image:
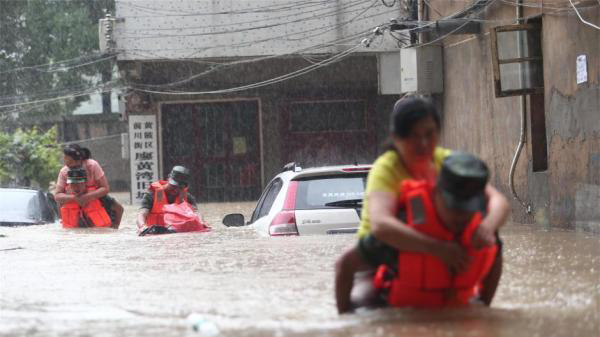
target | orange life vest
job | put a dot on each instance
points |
(156, 215)
(423, 280)
(92, 214)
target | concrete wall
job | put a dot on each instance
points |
(165, 29)
(567, 194)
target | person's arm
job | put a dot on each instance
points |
(98, 193)
(146, 206)
(141, 218)
(61, 196)
(345, 267)
(59, 192)
(498, 210)
(386, 227)
(192, 201)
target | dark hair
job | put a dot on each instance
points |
(77, 152)
(409, 110)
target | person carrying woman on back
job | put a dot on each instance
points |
(76, 156)
(412, 154)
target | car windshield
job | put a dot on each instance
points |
(331, 191)
(19, 205)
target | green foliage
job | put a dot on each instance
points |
(35, 32)
(29, 156)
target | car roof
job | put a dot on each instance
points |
(26, 190)
(324, 170)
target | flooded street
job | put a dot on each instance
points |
(114, 283)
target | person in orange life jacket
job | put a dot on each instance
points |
(412, 152)
(452, 209)
(92, 214)
(74, 157)
(173, 190)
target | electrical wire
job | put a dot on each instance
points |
(335, 42)
(262, 20)
(86, 91)
(387, 5)
(582, 19)
(89, 139)
(435, 10)
(263, 9)
(286, 36)
(58, 63)
(239, 30)
(104, 87)
(548, 9)
(300, 72)
(467, 20)
(337, 26)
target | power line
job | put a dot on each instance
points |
(257, 41)
(262, 83)
(548, 9)
(467, 20)
(246, 29)
(262, 20)
(261, 9)
(582, 19)
(58, 63)
(258, 59)
(239, 30)
(104, 87)
(89, 139)
(274, 80)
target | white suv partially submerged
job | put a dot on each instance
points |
(321, 200)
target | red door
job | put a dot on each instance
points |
(219, 142)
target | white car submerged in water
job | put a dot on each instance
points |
(321, 200)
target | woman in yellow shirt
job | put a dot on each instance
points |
(412, 153)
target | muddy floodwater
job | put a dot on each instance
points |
(87, 282)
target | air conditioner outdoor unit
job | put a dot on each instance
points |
(106, 28)
(421, 70)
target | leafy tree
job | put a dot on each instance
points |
(28, 157)
(34, 32)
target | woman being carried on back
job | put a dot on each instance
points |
(97, 184)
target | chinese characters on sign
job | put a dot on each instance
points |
(143, 154)
(581, 69)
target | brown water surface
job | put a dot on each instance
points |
(93, 282)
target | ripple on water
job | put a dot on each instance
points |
(113, 283)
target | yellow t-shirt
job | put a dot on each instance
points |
(386, 175)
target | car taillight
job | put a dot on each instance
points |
(284, 223)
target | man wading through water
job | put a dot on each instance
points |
(161, 195)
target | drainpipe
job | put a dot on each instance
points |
(523, 134)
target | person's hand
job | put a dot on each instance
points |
(83, 200)
(484, 236)
(140, 225)
(453, 256)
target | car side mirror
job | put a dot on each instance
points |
(234, 220)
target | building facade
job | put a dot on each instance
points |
(557, 176)
(239, 89)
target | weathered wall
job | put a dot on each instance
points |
(572, 121)
(184, 29)
(567, 194)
